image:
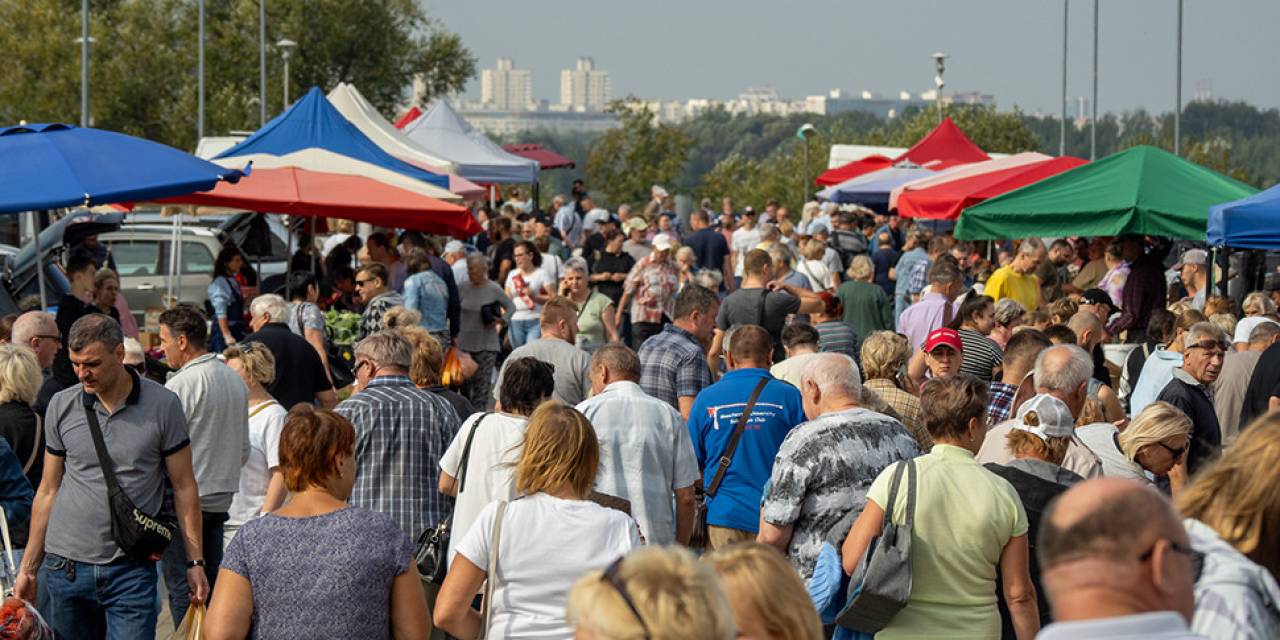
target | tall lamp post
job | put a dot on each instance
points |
(1093, 111)
(1062, 125)
(200, 74)
(805, 131)
(1177, 108)
(939, 64)
(262, 62)
(286, 48)
(84, 63)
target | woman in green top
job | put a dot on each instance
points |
(866, 308)
(969, 522)
(597, 325)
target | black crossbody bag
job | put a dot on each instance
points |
(141, 536)
(433, 544)
(700, 538)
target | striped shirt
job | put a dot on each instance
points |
(835, 336)
(981, 355)
(401, 434)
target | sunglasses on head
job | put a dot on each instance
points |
(611, 577)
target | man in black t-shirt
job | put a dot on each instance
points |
(709, 245)
(300, 376)
(763, 302)
(1264, 386)
(610, 268)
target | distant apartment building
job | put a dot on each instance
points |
(507, 88)
(585, 88)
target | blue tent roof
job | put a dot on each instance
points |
(1250, 223)
(446, 134)
(51, 166)
(872, 189)
(313, 123)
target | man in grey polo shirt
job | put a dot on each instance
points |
(95, 590)
(216, 403)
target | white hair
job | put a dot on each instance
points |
(1065, 376)
(269, 304)
(1201, 330)
(833, 373)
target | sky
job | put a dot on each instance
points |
(1011, 49)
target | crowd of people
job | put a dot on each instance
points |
(644, 425)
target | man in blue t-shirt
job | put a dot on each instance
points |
(709, 245)
(733, 514)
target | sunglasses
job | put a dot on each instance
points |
(1212, 347)
(1196, 557)
(46, 336)
(610, 576)
(1176, 453)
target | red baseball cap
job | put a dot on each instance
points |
(939, 337)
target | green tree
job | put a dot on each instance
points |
(992, 131)
(625, 162)
(143, 68)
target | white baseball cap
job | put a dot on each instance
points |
(1045, 416)
(662, 242)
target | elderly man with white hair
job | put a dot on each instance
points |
(826, 465)
(1203, 350)
(1061, 371)
(300, 376)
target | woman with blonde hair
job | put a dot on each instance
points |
(427, 363)
(262, 487)
(20, 381)
(660, 593)
(1155, 443)
(811, 265)
(1232, 511)
(884, 354)
(554, 534)
(766, 595)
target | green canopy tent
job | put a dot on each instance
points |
(1141, 190)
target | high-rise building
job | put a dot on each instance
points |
(585, 88)
(507, 88)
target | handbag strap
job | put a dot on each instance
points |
(35, 446)
(99, 444)
(910, 468)
(466, 452)
(727, 458)
(491, 578)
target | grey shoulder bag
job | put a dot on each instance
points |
(886, 571)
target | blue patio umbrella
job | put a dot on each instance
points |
(55, 166)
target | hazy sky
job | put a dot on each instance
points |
(1011, 49)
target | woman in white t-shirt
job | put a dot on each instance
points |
(811, 265)
(528, 286)
(262, 487)
(552, 536)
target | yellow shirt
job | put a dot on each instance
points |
(1007, 283)
(965, 515)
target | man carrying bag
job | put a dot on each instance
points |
(95, 530)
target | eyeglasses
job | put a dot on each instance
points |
(519, 255)
(1176, 453)
(610, 576)
(1196, 557)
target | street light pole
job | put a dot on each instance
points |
(200, 75)
(262, 62)
(1093, 111)
(1062, 125)
(286, 47)
(807, 129)
(84, 64)
(940, 65)
(1177, 110)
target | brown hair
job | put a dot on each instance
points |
(560, 447)
(756, 261)
(949, 403)
(428, 355)
(1026, 444)
(556, 309)
(311, 439)
(376, 270)
(750, 342)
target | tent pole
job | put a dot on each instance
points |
(1209, 272)
(288, 258)
(177, 289)
(35, 233)
(313, 245)
(1223, 286)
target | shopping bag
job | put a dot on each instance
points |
(458, 366)
(190, 629)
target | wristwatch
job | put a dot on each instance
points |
(191, 564)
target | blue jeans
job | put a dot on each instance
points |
(173, 565)
(523, 331)
(115, 600)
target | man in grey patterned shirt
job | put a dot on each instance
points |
(826, 465)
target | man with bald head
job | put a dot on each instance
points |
(1061, 371)
(826, 465)
(1089, 332)
(1116, 563)
(39, 331)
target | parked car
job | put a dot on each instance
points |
(19, 282)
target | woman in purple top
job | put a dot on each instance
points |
(318, 567)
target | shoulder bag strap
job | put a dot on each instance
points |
(36, 446)
(100, 445)
(911, 492)
(764, 297)
(466, 452)
(492, 578)
(893, 491)
(727, 458)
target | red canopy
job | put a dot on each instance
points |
(409, 116)
(874, 162)
(946, 144)
(947, 200)
(299, 192)
(546, 158)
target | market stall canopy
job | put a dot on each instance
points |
(446, 134)
(874, 162)
(945, 146)
(872, 189)
(546, 158)
(299, 192)
(353, 106)
(1251, 223)
(52, 166)
(409, 116)
(945, 201)
(312, 122)
(1142, 190)
(330, 162)
(965, 171)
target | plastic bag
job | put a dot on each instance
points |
(458, 366)
(190, 629)
(19, 620)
